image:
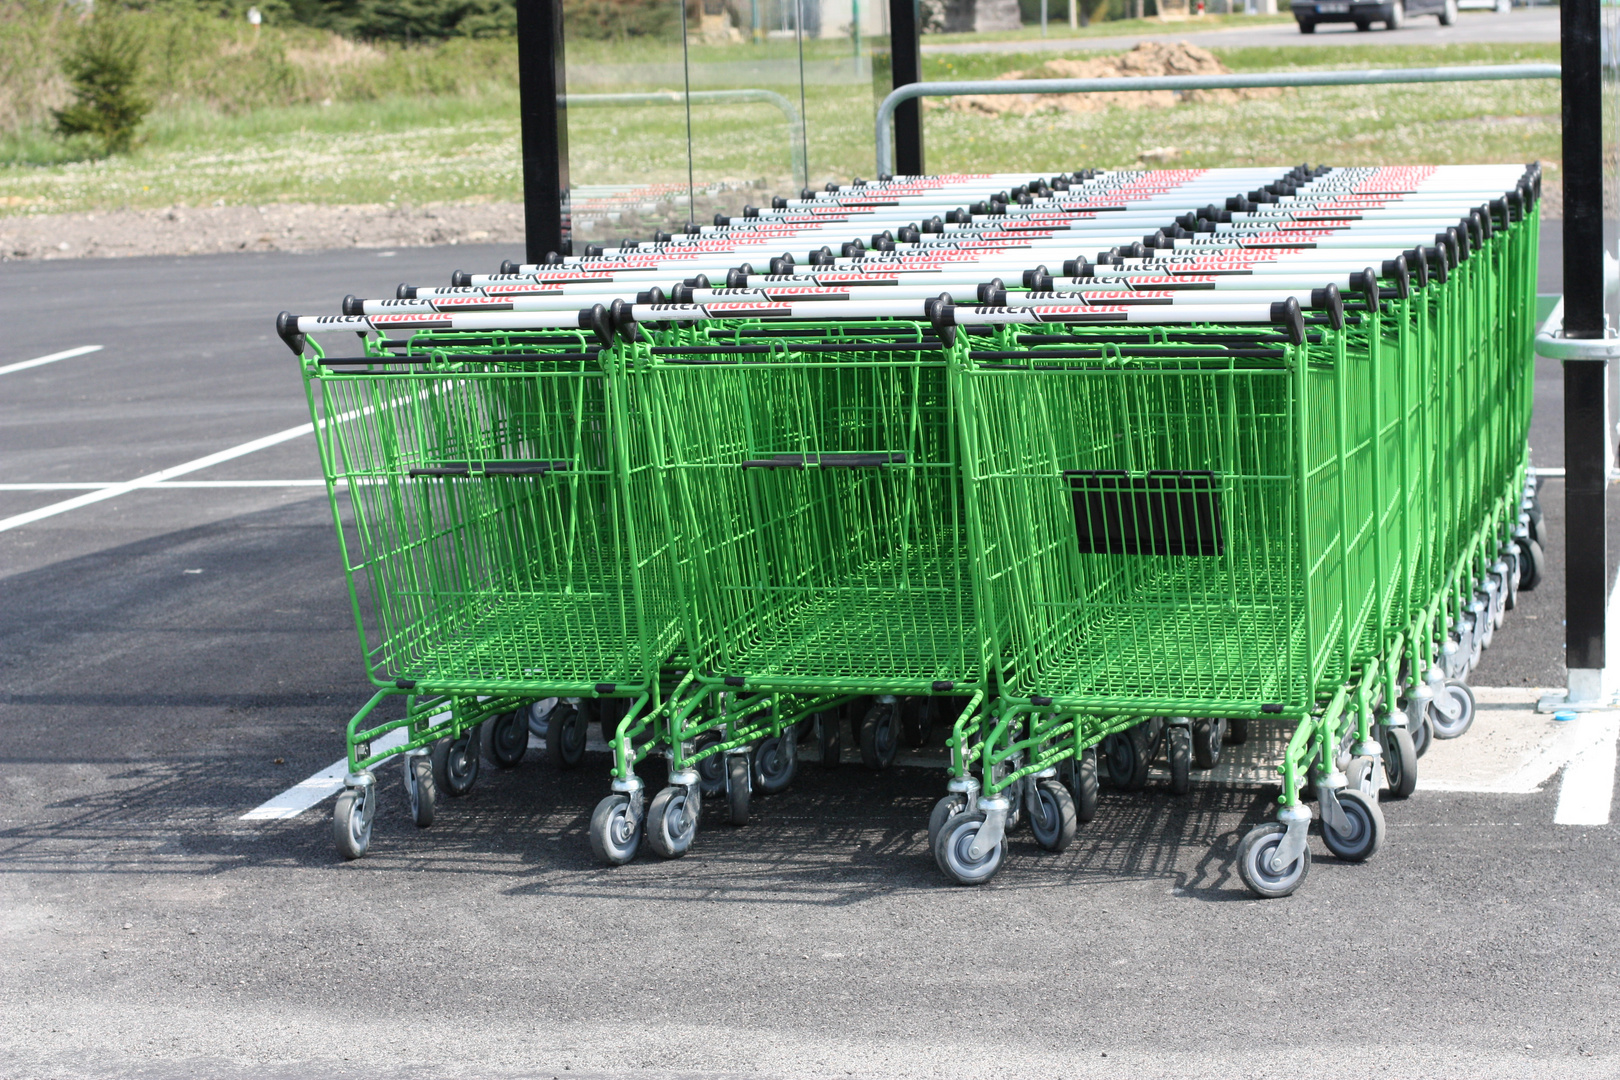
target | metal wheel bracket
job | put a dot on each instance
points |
(967, 787)
(1333, 816)
(994, 829)
(637, 792)
(1446, 706)
(1297, 820)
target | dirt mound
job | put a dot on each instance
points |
(1148, 59)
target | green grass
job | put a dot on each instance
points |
(453, 148)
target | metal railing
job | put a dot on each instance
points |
(708, 97)
(1482, 73)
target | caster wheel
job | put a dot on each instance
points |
(1178, 749)
(615, 833)
(1422, 736)
(952, 851)
(1510, 597)
(420, 790)
(712, 769)
(351, 820)
(1085, 785)
(944, 810)
(830, 733)
(455, 764)
(1053, 819)
(775, 762)
(610, 713)
(880, 735)
(737, 789)
(1452, 711)
(1254, 862)
(566, 732)
(803, 729)
(672, 821)
(916, 721)
(1537, 525)
(1366, 822)
(506, 738)
(1532, 563)
(1237, 732)
(1400, 762)
(1208, 738)
(1127, 761)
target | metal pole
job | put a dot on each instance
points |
(1585, 381)
(905, 37)
(542, 85)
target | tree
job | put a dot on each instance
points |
(104, 68)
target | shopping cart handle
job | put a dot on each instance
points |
(493, 468)
(826, 461)
(287, 329)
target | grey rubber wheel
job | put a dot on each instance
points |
(737, 792)
(1461, 699)
(506, 738)
(420, 790)
(1448, 13)
(880, 735)
(712, 769)
(671, 824)
(1400, 761)
(1422, 735)
(566, 733)
(830, 736)
(1127, 760)
(1254, 863)
(1237, 732)
(351, 821)
(1397, 16)
(1178, 750)
(917, 721)
(951, 851)
(615, 834)
(1366, 827)
(1053, 821)
(1532, 563)
(1537, 525)
(776, 760)
(1208, 738)
(455, 763)
(947, 808)
(1085, 785)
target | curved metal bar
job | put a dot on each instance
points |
(1481, 73)
(705, 97)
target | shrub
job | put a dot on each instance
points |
(104, 72)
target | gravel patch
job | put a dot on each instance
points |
(179, 230)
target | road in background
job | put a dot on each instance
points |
(1518, 27)
(172, 657)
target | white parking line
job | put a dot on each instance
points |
(97, 486)
(1588, 788)
(153, 478)
(65, 354)
(311, 790)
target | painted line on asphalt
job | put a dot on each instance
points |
(65, 354)
(1587, 792)
(313, 789)
(149, 479)
(98, 486)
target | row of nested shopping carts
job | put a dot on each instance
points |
(1095, 471)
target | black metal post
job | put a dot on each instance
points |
(1585, 539)
(905, 37)
(542, 84)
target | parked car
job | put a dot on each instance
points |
(1392, 13)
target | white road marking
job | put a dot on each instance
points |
(1588, 788)
(98, 486)
(149, 479)
(66, 354)
(311, 790)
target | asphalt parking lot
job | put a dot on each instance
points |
(172, 656)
